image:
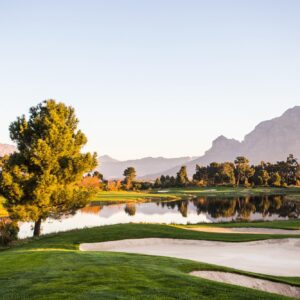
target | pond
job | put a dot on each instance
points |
(197, 210)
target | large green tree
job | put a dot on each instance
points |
(275, 179)
(130, 176)
(226, 173)
(215, 174)
(243, 170)
(292, 167)
(201, 175)
(42, 178)
(182, 178)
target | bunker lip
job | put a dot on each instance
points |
(243, 230)
(279, 257)
(250, 282)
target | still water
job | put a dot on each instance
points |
(197, 210)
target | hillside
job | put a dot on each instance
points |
(271, 141)
(112, 168)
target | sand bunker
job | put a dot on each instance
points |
(275, 257)
(250, 230)
(250, 282)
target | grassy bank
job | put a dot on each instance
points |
(185, 193)
(293, 192)
(277, 224)
(53, 268)
(134, 197)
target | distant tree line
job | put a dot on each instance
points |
(280, 174)
(237, 173)
(129, 183)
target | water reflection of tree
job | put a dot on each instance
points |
(246, 208)
(216, 208)
(180, 205)
(239, 207)
(130, 209)
(183, 208)
(93, 209)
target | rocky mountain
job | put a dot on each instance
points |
(6, 149)
(105, 159)
(271, 141)
(274, 139)
(112, 168)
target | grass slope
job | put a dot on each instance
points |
(277, 224)
(294, 192)
(53, 268)
(190, 192)
(124, 196)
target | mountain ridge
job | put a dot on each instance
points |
(270, 140)
(113, 169)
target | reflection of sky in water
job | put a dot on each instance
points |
(145, 213)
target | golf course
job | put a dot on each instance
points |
(53, 267)
(231, 231)
(154, 261)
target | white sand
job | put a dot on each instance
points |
(250, 282)
(250, 230)
(275, 257)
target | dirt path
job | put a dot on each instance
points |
(275, 257)
(250, 230)
(250, 282)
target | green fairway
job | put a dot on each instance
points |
(51, 267)
(184, 193)
(124, 196)
(293, 192)
(293, 224)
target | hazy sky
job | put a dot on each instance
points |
(151, 78)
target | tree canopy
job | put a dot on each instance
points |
(243, 170)
(182, 178)
(43, 177)
(130, 175)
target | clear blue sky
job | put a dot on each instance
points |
(151, 78)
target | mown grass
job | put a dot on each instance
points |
(71, 239)
(190, 192)
(51, 267)
(293, 192)
(293, 224)
(124, 196)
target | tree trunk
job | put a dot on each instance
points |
(37, 227)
